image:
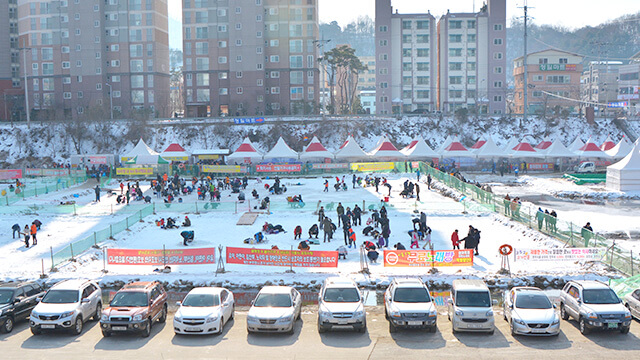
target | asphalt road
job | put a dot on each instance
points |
(306, 343)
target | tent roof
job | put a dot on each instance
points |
(245, 150)
(590, 149)
(607, 144)
(246, 146)
(446, 143)
(147, 160)
(622, 149)
(315, 149)
(174, 148)
(281, 151)
(630, 162)
(350, 149)
(557, 149)
(576, 144)
(418, 149)
(141, 149)
(385, 148)
(455, 148)
(479, 144)
(523, 147)
(489, 150)
(544, 144)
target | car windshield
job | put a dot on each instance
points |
(61, 297)
(473, 299)
(600, 296)
(411, 295)
(5, 296)
(130, 299)
(273, 300)
(341, 295)
(533, 301)
(201, 300)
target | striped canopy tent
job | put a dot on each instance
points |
(622, 149)
(489, 150)
(246, 153)
(455, 149)
(591, 150)
(576, 144)
(315, 150)
(385, 150)
(175, 152)
(524, 150)
(419, 150)
(350, 151)
(608, 144)
(281, 152)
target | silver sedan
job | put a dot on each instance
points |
(529, 311)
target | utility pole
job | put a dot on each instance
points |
(320, 43)
(526, 72)
(26, 84)
(110, 99)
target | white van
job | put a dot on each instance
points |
(470, 306)
(586, 167)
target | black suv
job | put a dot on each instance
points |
(16, 302)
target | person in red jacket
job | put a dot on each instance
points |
(34, 230)
(455, 240)
(297, 232)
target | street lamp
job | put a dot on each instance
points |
(26, 84)
(320, 44)
(110, 99)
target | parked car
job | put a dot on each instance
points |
(17, 299)
(275, 309)
(67, 305)
(205, 310)
(632, 302)
(586, 167)
(340, 305)
(529, 311)
(408, 304)
(135, 308)
(469, 308)
(595, 306)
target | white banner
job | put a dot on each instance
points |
(559, 254)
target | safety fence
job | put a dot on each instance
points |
(40, 187)
(569, 233)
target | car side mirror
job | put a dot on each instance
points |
(86, 301)
(450, 301)
(511, 306)
(17, 300)
(252, 301)
(579, 300)
(555, 306)
(39, 298)
(178, 303)
(495, 302)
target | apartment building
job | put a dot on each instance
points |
(553, 81)
(367, 78)
(250, 57)
(11, 93)
(599, 84)
(629, 85)
(84, 55)
(406, 53)
(472, 60)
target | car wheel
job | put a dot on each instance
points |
(363, 329)
(625, 330)
(392, 328)
(35, 331)
(584, 330)
(106, 333)
(293, 327)
(491, 332)
(147, 329)
(163, 317)
(8, 325)
(504, 315)
(78, 326)
(511, 327)
(563, 312)
(221, 327)
(98, 313)
(233, 310)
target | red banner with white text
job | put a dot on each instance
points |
(245, 256)
(161, 257)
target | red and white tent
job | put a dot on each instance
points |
(350, 151)
(245, 153)
(524, 150)
(622, 149)
(315, 150)
(479, 144)
(591, 150)
(608, 144)
(544, 144)
(175, 152)
(385, 150)
(280, 152)
(419, 150)
(489, 150)
(557, 150)
(576, 144)
(446, 143)
(455, 149)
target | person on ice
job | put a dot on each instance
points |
(297, 232)
(313, 231)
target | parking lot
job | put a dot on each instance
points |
(307, 343)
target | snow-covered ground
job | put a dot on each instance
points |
(219, 228)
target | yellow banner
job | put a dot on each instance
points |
(223, 168)
(134, 171)
(208, 157)
(379, 166)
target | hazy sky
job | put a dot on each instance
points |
(568, 13)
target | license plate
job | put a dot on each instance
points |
(474, 326)
(414, 323)
(48, 326)
(191, 328)
(612, 325)
(119, 328)
(343, 322)
(538, 331)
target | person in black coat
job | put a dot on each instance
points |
(399, 246)
(357, 215)
(16, 229)
(313, 231)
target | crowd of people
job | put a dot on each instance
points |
(28, 233)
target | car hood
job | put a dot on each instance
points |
(474, 312)
(535, 315)
(124, 311)
(414, 307)
(339, 307)
(44, 308)
(197, 312)
(270, 312)
(605, 308)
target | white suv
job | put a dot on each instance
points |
(407, 304)
(67, 306)
(340, 304)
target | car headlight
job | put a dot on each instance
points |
(518, 321)
(459, 313)
(252, 318)
(627, 315)
(433, 312)
(285, 319)
(67, 314)
(34, 314)
(212, 318)
(104, 318)
(556, 321)
(324, 313)
(592, 315)
(177, 318)
(489, 313)
(137, 317)
(358, 313)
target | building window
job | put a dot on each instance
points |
(453, 66)
(422, 24)
(383, 28)
(384, 42)
(222, 59)
(471, 24)
(274, 58)
(497, 70)
(455, 52)
(406, 24)
(497, 27)
(497, 56)
(454, 38)
(497, 98)
(563, 60)
(455, 24)
(297, 93)
(497, 41)
(422, 66)
(455, 80)
(295, 62)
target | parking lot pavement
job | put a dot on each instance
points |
(307, 343)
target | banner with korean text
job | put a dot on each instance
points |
(330, 166)
(377, 166)
(559, 254)
(161, 257)
(134, 171)
(296, 258)
(10, 174)
(224, 169)
(428, 258)
(278, 168)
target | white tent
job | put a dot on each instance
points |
(419, 150)
(625, 174)
(524, 150)
(489, 150)
(175, 152)
(280, 152)
(456, 149)
(590, 150)
(557, 150)
(446, 143)
(513, 142)
(315, 150)
(245, 153)
(544, 144)
(622, 149)
(350, 151)
(143, 155)
(576, 145)
(608, 144)
(385, 150)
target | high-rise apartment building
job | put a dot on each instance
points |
(472, 60)
(11, 93)
(599, 84)
(89, 54)
(250, 57)
(405, 60)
